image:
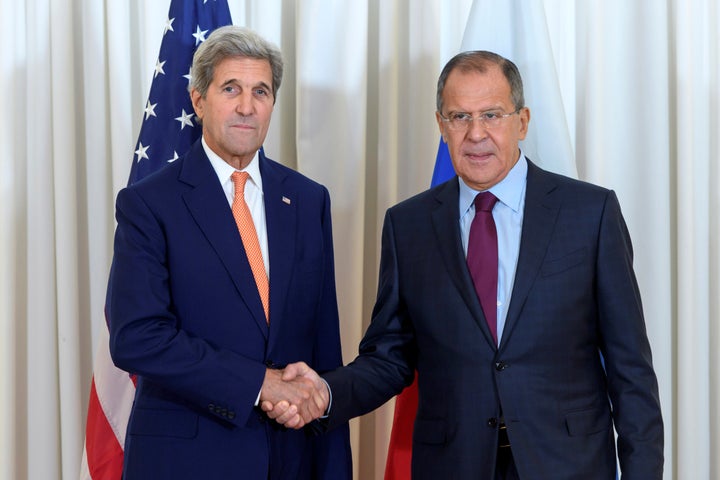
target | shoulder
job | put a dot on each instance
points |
(429, 199)
(541, 182)
(172, 180)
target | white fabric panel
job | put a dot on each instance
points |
(127, 90)
(12, 162)
(518, 31)
(331, 58)
(65, 170)
(96, 190)
(330, 112)
(38, 342)
(693, 115)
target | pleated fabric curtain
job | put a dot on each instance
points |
(639, 86)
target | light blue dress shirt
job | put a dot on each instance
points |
(508, 216)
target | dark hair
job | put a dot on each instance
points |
(480, 61)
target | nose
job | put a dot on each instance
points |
(476, 130)
(244, 104)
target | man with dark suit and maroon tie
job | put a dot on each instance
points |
(222, 274)
(511, 291)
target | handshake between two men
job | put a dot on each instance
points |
(294, 396)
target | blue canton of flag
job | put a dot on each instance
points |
(169, 124)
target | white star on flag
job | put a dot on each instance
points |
(159, 67)
(199, 36)
(175, 157)
(150, 110)
(185, 119)
(141, 152)
(168, 25)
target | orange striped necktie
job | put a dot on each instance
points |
(245, 225)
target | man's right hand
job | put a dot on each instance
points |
(295, 396)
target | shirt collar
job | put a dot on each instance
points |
(508, 191)
(224, 170)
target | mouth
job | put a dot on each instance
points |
(479, 156)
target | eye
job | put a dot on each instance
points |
(460, 117)
(490, 116)
(261, 92)
(230, 89)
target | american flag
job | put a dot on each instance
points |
(168, 129)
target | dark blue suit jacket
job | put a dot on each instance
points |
(185, 316)
(574, 295)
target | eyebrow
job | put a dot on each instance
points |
(484, 110)
(234, 80)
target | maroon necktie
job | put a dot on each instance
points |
(482, 257)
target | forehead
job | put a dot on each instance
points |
(244, 69)
(487, 89)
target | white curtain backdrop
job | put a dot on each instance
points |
(640, 87)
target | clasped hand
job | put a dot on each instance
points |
(295, 396)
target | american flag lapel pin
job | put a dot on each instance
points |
(286, 200)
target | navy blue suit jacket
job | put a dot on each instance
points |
(574, 295)
(185, 316)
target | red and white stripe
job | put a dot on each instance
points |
(111, 398)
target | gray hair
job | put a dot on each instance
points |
(480, 61)
(233, 41)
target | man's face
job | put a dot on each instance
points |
(482, 157)
(236, 109)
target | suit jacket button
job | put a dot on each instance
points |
(231, 415)
(500, 366)
(492, 422)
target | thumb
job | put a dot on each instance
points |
(295, 370)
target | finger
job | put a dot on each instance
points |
(266, 406)
(295, 370)
(321, 404)
(287, 415)
(280, 409)
(296, 422)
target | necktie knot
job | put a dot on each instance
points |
(485, 201)
(239, 179)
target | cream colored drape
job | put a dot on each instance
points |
(640, 87)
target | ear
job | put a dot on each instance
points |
(441, 126)
(197, 102)
(524, 122)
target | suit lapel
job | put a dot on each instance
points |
(281, 203)
(447, 231)
(541, 210)
(210, 210)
